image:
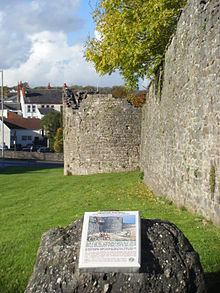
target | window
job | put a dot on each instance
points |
(52, 106)
(42, 106)
(48, 106)
(29, 108)
(29, 137)
(24, 137)
(34, 108)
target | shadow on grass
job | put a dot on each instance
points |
(213, 282)
(28, 168)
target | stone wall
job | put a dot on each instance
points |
(102, 135)
(54, 157)
(180, 151)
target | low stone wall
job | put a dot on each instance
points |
(54, 157)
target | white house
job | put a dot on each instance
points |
(35, 101)
(19, 130)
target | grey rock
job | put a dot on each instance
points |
(168, 264)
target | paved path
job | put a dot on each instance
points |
(29, 163)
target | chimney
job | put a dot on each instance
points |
(18, 92)
(23, 91)
(49, 86)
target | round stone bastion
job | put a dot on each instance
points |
(168, 264)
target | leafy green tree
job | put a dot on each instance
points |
(133, 36)
(58, 143)
(50, 123)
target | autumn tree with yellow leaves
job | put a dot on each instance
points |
(133, 36)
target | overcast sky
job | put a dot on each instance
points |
(43, 41)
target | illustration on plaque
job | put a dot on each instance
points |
(116, 228)
(110, 242)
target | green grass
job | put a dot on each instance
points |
(33, 201)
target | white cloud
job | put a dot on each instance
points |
(38, 15)
(20, 19)
(35, 47)
(52, 60)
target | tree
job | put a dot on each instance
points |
(5, 91)
(133, 35)
(58, 143)
(119, 92)
(50, 123)
(137, 99)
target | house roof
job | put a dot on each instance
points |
(12, 94)
(11, 125)
(45, 111)
(12, 106)
(11, 99)
(16, 121)
(43, 96)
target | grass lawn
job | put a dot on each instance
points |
(33, 201)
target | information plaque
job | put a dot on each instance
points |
(110, 242)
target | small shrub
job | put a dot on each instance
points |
(141, 176)
(137, 100)
(119, 92)
(58, 143)
(212, 179)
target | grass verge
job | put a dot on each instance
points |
(33, 201)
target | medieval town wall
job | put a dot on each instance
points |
(180, 143)
(102, 135)
(180, 128)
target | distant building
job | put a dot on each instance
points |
(37, 102)
(11, 107)
(19, 130)
(11, 104)
(22, 110)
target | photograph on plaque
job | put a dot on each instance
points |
(110, 242)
